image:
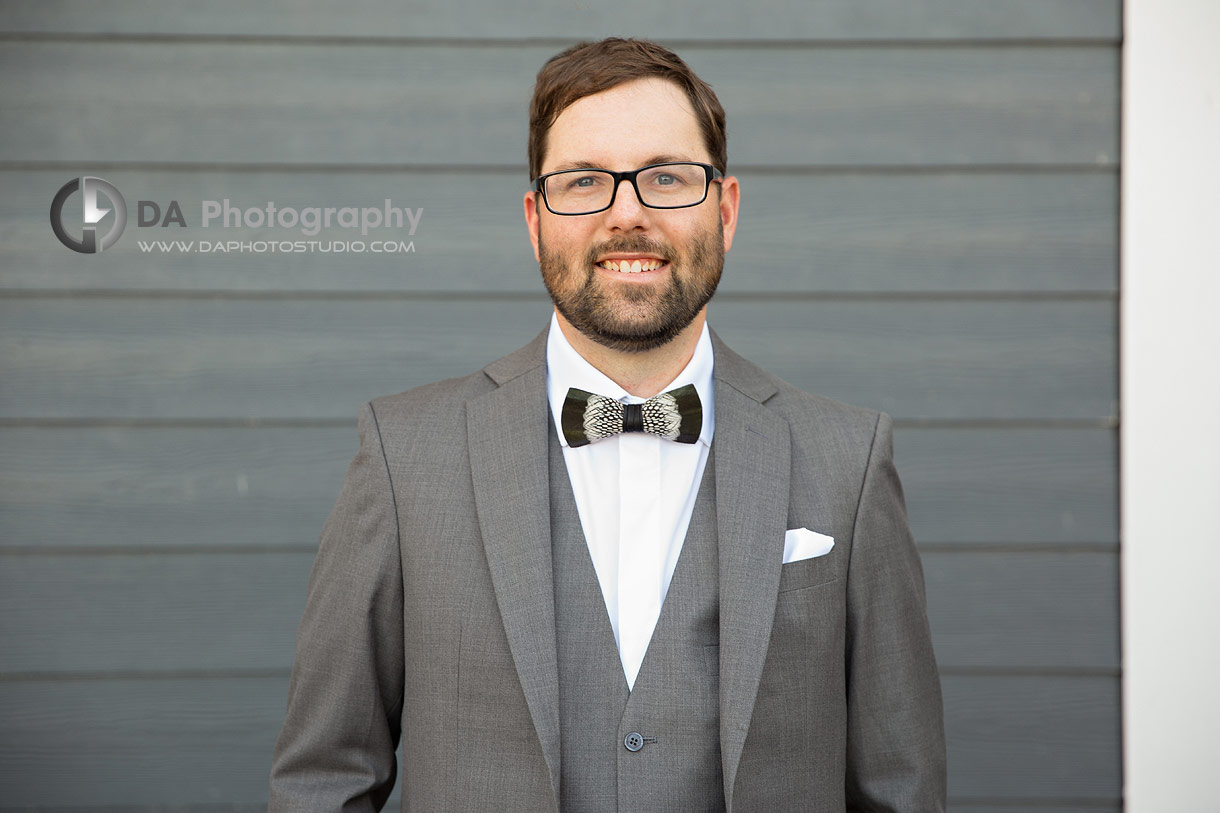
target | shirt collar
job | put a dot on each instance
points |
(566, 368)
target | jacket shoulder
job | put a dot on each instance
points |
(806, 411)
(437, 406)
(438, 400)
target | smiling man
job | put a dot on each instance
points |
(621, 569)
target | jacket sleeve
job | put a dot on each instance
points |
(895, 719)
(336, 751)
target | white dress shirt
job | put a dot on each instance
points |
(634, 492)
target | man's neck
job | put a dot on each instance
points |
(642, 374)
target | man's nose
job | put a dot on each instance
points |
(626, 212)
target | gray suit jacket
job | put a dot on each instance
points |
(430, 609)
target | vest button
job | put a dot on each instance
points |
(633, 741)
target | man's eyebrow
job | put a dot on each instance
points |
(656, 159)
(577, 165)
(669, 159)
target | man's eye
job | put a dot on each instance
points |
(668, 180)
(584, 182)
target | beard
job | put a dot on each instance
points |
(633, 318)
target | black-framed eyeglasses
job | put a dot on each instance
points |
(673, 185)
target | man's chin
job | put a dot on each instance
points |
(628, 336)
(631, 316)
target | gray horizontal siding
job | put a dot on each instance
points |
(146, 742)
(1036, 485)
(375, 104)
(1027, 231)
(182, 740)
(1023, 611)
(220, 358)
(512, 19)
(1058, 737)
(178, 487)
(235, 488)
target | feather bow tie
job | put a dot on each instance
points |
(676, 415)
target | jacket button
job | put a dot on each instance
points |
(633, 741)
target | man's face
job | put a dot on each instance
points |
(647, 121)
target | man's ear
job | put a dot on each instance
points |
(531, 220)
(730, 200)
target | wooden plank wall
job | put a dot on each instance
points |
(929, 227)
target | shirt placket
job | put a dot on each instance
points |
(640, 559)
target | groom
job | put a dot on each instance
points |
(621, 568)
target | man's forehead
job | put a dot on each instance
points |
(633, 122)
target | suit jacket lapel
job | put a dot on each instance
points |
(507, 431)
(753, 467)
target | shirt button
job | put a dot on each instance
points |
(633, 741)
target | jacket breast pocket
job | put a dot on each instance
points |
(808, 572)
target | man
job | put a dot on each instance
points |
(621, 568)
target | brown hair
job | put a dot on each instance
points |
(592, 67)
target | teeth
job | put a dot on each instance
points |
(631, 266)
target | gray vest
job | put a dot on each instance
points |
(658, 746)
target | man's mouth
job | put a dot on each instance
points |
(634, 265)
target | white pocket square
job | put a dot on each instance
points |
(802, 543)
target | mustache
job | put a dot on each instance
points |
(637, 244)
